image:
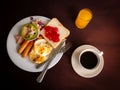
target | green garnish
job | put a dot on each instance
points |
(29, 31)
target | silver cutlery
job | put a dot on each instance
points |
(57, 50)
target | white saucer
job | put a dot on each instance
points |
(80, 70)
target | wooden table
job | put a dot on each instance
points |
(103, 32)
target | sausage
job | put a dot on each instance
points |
(23, 46)
(27, 49)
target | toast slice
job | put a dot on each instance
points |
(62, 32)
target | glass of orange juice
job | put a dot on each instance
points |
(83, 18)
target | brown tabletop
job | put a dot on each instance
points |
(102, 32)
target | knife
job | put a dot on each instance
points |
(52, 55)
(62, 50)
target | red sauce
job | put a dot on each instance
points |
(52, 33)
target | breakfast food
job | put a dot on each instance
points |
(27, 49)
(84, 17)
(23, 46)
(40, 51)
(29, 31)
(38, 39)
(54, 32)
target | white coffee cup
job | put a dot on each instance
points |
(88, 52)
(90, 59)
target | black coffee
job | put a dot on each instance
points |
(88, 60)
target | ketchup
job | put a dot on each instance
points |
(52, 33)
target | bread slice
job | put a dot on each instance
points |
(62, 31)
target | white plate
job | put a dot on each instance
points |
(87, 73)
(25, 63)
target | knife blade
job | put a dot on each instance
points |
(53, 54)
(66, 47)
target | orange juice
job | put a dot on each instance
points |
(83, 18)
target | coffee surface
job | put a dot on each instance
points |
(88, 60)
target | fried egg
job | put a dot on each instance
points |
(40, 51)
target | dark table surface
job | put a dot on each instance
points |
(103, 32)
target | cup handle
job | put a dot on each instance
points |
(101, 53)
